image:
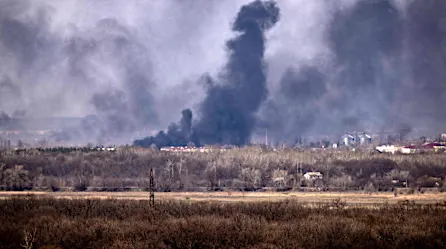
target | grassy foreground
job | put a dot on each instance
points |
(42, 222)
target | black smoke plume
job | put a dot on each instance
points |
(228, 112)
(176, 135)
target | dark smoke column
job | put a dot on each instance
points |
(228, 111)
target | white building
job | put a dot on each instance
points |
(364, 139)
(313, 175)
(356, 138)
(348, 140)
(387, 149)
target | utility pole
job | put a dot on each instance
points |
(266, 137)
(152, 189)
(298, 177)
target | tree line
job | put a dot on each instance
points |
(244, 169)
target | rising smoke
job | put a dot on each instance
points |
(177, 134)
(228, 111)
(227, 114)
(328, 67)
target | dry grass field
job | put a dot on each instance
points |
(350, 198)
(240, 220)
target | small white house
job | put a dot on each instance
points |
(364, 139)
(313, 175)
(348, 140)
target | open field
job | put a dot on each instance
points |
(350, 198)
(56, 223)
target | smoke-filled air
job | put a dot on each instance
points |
(175, 72)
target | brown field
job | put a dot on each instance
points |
(350, 198)
(101, 220)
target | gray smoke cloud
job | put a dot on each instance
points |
(295, 106)
(425, 61)
(122, 107)
(126, 69)
(381, 74)
(130, 107)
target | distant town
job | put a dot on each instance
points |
(382, 142)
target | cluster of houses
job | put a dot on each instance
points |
(186, 149)
(413, 149)
(362, 139)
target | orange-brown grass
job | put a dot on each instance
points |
(352, 198)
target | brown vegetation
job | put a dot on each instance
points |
(75, 223)
(247, 169)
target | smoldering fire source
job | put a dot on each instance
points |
(231, 68)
